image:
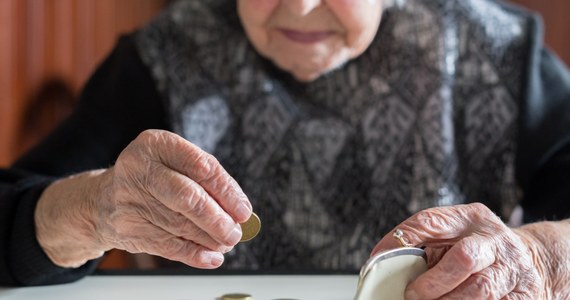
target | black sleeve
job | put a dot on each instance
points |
(118, 102)
(545, 141)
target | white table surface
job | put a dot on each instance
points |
(261, 287)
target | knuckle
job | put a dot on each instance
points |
(194, 257)
(482, 284)
(464, 256)
(517, 296)
(145, 134)
(172, 248)
(204, 166)
(129, 155)
(220, 227)
(479, 207)
(185, 191)
(225, 187)
(432, 220)
(143, 148)
(153, 143)
(129, 160)
(149, 135)
(187, 229)
(192, 201)
(482, 214)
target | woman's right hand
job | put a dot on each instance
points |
(164, 196)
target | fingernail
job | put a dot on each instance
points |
(411, 295)
(243, 212)
(226, 249)
(216, 259)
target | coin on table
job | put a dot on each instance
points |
(236, 297)
(250, 228)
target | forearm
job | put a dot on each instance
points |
(550, 243)
(63, 220)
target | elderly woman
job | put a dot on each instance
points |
(339, 119)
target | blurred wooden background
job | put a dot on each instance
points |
(50, 47)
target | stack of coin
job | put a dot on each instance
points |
(236, 296)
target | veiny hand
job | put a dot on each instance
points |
(164, 196)
(472, 254)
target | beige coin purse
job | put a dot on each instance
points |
(386, 275)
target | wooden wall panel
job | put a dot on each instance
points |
(11, 75)
(55, 39)
(6, 74)
(557, 23)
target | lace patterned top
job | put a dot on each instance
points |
(427, 116)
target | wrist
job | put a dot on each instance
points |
(65, 220)
(536, 238)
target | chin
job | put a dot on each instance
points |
(306, 66)
(306, 77)
(302, 75)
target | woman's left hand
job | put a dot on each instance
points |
(472, 254)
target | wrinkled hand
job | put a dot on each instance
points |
(471, 255)
(165, 196)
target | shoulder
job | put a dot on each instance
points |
(188, 24)
(191, 37)
(494, 23)
(501, 22)
(478, 41)
(505, 35)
